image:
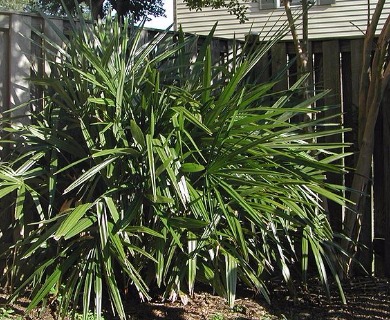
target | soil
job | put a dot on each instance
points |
(367, 298)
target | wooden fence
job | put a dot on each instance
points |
(336, 65)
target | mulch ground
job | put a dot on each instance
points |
(368, 298)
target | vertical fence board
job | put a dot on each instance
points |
(378, 184)
(279, 61)
(19, 65)
(310, 66)
(261, 72)
(37, 63)
(387, 187)
(331, 74)
(356, 67)
(51, 34)
(386, 178)
(262, 69)
(351, 82)
(348, 109)
(365, 254)
(4, 73)
(4, 76)
(318, 78)
(351, 111)
(351, 69)
(215, 51)
(5, 221)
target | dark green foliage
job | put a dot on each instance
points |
(234, 7)
(148, 167)
(137, 9)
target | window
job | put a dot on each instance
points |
(272, 4)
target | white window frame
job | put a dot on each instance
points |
(273, 4)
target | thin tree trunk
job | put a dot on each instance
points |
(301, 55)
(301, 47)
(374, 80)
(365, 74)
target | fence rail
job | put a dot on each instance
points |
(336, 66)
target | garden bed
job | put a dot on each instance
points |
(368, 298)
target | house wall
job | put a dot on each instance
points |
(345, 18)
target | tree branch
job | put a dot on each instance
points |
(365, 72)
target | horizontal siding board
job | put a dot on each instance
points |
(345, 18)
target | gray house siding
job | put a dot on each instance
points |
(345, 18)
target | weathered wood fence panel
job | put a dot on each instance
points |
(386, 178)
(336, 66)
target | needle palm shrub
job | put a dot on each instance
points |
(148, 167)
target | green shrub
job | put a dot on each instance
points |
(217, 316)
(6, 313)
(146, 168)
